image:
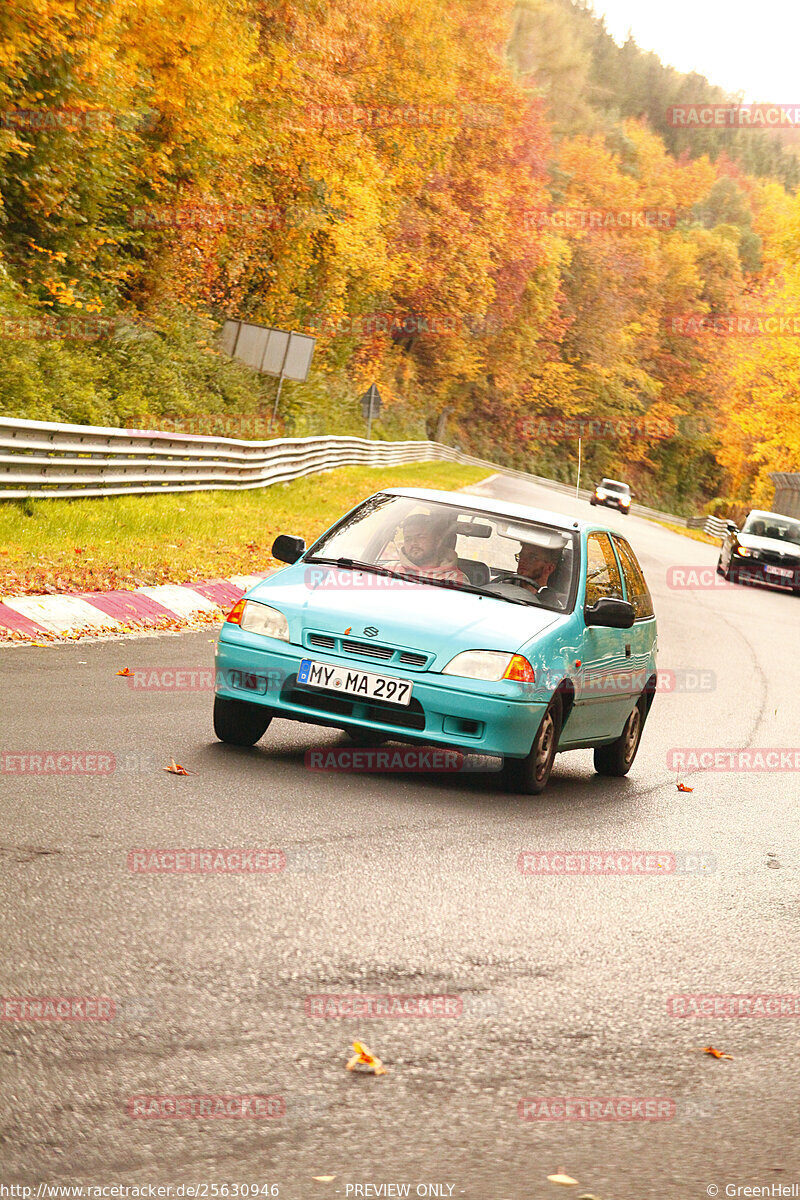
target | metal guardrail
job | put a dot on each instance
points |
(40, 459)
(715, 527)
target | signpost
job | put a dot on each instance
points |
(371, 403)
(270, 351)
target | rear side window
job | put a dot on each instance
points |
(602, 572)
(638, 593)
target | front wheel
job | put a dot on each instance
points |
(238, 722)
(531, 774)
(617, 759)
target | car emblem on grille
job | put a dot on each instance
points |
(370, 631)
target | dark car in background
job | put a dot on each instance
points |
(612, 494)
(765, 550)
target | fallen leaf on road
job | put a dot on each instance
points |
(175, 768)
(564, 1180)
(716, 1053)
(125, 671)
(363, 1060)
(683, 788)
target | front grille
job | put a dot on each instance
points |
(414, 660)
(367, 649)
(779, 560)
(323, 640)
(409, 659)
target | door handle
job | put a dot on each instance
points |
(627, 649)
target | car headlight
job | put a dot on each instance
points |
(600, 493)
(492, 665)
(744, 552)
(260, 618)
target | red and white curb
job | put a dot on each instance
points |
(26, 619)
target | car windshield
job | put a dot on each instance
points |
(771, 525)
(612, 486)
(438, 544)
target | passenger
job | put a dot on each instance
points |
(428, 548)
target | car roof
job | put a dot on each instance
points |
(762, 512)
(616, 481)
(499, 508)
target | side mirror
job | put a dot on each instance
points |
(610, 612)
(287, 548)
(731, 527)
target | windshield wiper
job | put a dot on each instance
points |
(354, 564)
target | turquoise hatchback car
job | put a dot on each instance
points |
(449, 620)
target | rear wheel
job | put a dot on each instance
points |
(238, 722)
(530, 775)
(617, 759)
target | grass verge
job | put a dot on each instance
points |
(52, 546)
(697, 535)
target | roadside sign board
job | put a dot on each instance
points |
(271, 351)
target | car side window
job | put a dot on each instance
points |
(602, 573)
(638, 592)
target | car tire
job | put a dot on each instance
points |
(617, 758)
(238, 722)
(366, 737)
(530, 775)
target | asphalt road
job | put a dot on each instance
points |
(404, 884)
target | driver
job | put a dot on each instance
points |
(428, 548)
(537, 564)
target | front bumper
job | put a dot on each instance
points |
(445, 710)
(754, 570)
(607, 502)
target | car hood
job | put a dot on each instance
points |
(435, 620)
(788, 550)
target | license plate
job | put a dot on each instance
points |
(354, 683)
(781, 572)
